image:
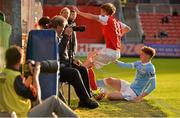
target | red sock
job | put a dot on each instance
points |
(92, 79)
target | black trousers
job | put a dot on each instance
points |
(77, 76)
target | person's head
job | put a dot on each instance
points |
(147, 53)
(2, 16)
(58, 23)
(65, 12)
(43, 22)
(73, 15)
(13, 56)
(108, 9)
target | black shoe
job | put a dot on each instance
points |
(91, 104)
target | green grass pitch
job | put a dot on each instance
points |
(164, 101)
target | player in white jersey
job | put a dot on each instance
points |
(143, 84)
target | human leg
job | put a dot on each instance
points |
(50, 105)
(124, 90)
(88, 63)
(92, 79)
(73, 76)
(113, 82)
(84, 74)
(115, 96)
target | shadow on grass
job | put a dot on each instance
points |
(119, 109)
(116, 108)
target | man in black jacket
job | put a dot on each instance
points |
(76, 75)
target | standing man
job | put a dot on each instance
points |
(98, 92)
(86, 73)
(72, 23)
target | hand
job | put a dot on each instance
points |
(77, 61)
(31, 68)
(27, 82)
(89, 63)
(33, 90)
(37, 68)
(116, 61)
(137, 99)
(68, 31)
(92, 54)
(76, 9)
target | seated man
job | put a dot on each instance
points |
(143, 84)
(17, 92)
(72, 73)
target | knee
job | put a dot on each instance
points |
(54, 98)
(83, 69)
(75, 73)
(108, 80)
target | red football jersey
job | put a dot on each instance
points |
(112, 33)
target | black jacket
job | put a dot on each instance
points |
(63, 49)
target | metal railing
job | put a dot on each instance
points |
(157, 8)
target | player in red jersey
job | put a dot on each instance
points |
(112, 30)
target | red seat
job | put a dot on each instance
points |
(151, 24)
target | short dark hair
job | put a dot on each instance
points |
(44, 21)
(57, 21)
(13, 55)
(109, 8)
(149, 50)
(72, 11)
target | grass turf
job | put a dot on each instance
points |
(164, 101)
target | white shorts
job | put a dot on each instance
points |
(105, 56)
(126, 91)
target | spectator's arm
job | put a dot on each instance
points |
(35, 81)
(63, 44)
(64, 41)
(22, 90)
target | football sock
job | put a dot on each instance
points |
(92, 79)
